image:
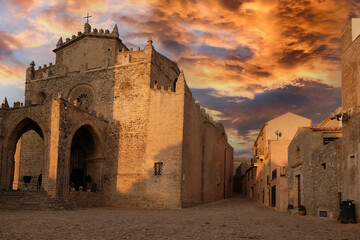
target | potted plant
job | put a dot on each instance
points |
(302, 210)
(88, 183)
(290, 207)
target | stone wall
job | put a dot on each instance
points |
(164, 72)
(29, 159)
(350, 100)
(100, 82)
(207, 158)
(88, 53)
(318, 186)
(300, 164)
(326, 173)
(164, 145)
(192, 189)
(131, 109)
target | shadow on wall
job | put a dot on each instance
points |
(153, 182)
(237, 188)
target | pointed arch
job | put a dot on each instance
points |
(86, 152)
(23, 126)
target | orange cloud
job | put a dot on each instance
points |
(12, 74)
(24, 4)
(239, 50)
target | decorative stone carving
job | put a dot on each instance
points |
(83, 95)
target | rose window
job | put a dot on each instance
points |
(83, 95)
(82, 99)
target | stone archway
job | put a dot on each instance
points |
(85, 166)
(26, 155)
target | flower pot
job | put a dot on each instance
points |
(302, 213)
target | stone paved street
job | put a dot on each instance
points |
(236, 218)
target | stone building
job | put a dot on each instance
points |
(314, 178)
(250, 181)
(271, 159)
(240, 167)
(120, 123)
(350, 113)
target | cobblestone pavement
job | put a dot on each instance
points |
(236, 218)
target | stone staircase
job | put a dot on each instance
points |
(30, 200)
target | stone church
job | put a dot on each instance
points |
(107, 125)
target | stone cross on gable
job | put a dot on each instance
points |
(87, 17)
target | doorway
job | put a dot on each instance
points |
(298, 189)
(78, 167)
(273, 196)
(85, 169)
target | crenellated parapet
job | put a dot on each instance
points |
(43, 72)
(210, 119)
(88, 32)
(163, 88)
(5, 104)
(72, 105)
(128, 56)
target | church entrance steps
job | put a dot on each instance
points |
(30, 200)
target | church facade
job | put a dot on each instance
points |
(109, 125)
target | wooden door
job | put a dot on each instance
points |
(273, 196)
(298, 189)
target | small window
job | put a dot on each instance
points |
(323, 165)
(323, 214)
(158, 168)
(274, 173)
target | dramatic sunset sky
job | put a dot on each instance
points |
(246, 61)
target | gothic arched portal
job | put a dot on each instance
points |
(85, 149)
(27, 154)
